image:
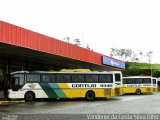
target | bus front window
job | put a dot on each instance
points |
(17, 81)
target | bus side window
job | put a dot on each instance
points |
(75, 79)
(46, 78)
(81, 78)
(109, 78)
(149, 80)
(106, 78)
(102, 78)
(67, 78)
(91, 78)
(124, 81)
(128, 81)
(135, 81)
(95, 78)
(146, 80)
(59, 79)
(33, 78)
(53, 78)
(140, 81)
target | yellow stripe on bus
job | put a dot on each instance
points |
(75, 93)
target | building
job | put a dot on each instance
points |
(22, 49)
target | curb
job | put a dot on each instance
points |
(11, 101)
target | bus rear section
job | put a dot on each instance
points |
(137, 84)
(155, 84)
(158, 83)
(90, 85)
(118, 83)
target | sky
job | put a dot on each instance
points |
(102, 24)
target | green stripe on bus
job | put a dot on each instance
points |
(58, 90)
(48, 90)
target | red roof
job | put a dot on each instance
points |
(14, 35)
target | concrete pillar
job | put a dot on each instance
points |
(7, 70)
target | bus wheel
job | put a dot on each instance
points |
(90, 95)
(29, 96)
(138, 91)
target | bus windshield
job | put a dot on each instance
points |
(17, 81)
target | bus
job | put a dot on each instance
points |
(158, 83)
(137, 84)
(90, 85)
(116, 74)
(155, 84)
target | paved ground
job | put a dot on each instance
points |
(127, 104)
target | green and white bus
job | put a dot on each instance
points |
(90, 85)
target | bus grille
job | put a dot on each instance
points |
(107, 92)
(117, 91)
(148, 89)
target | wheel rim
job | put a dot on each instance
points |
(30, 97)
(138, 92)
(90, 96)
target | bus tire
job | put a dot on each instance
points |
(90, 95)
(29, 96)
(138, 91)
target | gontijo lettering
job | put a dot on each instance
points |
(83, 85)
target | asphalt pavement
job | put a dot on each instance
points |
(80, 108)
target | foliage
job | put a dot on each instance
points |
(141, 69)
(129, 55)
(124, 54)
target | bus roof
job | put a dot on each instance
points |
(45, 72)
(19, 72)
(138, 77)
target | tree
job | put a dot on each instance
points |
(128, 54)
(77, 42)
(123, 54)
(67, 39)
(114, 52)
(88, 47)
(149, 55)
(134, 57)
(141, 54)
